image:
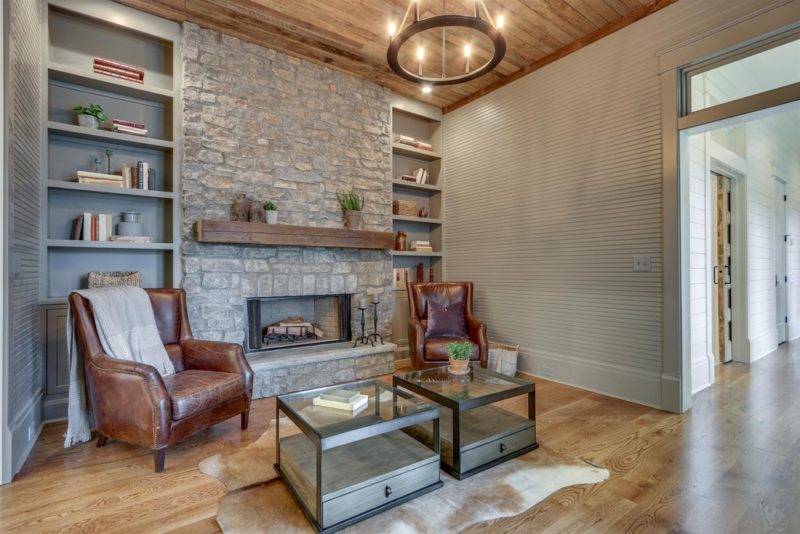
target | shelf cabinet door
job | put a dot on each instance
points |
(400, 323)
(56, 360)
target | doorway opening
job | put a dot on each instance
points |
(721, 248)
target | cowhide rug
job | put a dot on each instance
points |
(258, 502)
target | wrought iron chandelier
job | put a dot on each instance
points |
(399, 36)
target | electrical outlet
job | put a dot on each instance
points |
(548, 372)
(642, 264)
(31, 432)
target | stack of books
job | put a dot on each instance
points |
(92, 227)
(342, 399)
(99, 178)
(119, 70)
(421, 246)
(410, 141)
(130, 238)
(401, 276)
(128, 127)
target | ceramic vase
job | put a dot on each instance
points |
(272, 216)
(88, 121)
(130, 225)
(352, 219)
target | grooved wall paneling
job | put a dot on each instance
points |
(554, 184)
(25, 149)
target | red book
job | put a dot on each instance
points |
(127, 123)
(120, 76)
(95, 228)
(420, 273)
(118, 65)
(121, 72)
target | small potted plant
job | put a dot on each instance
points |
(459, 352)
(351, 204)
(90, 115)
(272, 212)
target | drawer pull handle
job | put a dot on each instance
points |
(502, 447)
(387, 491)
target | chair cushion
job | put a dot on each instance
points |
(195, 391)
(446, 320)
(436, 348)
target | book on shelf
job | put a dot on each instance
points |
(421, 176)
(421, 249)
(142, 175)
(408, 178)
(93, 227)
(420, 243)
(423, 146)
(119, 128)
(405, 140)
(99, 69)
(129, 124)
(98, 178)
(131, 238)
(77, 228)
(118, 65)
(401, 276)
(353, 406)
(118, 70)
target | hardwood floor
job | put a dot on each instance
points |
(730, 465)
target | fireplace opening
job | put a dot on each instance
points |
(281, 322)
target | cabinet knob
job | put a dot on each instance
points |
(387, 491)
(502, 447)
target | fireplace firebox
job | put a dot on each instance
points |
(283, 322)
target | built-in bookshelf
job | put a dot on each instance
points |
(423, 123)
(79, 32)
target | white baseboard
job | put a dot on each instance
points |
(25, 430)
(617, 381)
(763, 344)
(702, 373)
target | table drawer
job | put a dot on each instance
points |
(362, 500)
(483, 454)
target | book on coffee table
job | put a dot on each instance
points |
(360, 401)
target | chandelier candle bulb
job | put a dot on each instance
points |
(467, 53)
(500, 21)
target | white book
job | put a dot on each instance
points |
(418, 174)
(350, 407)
(101, 227)
(87, 227)
(424, 177)
(146, 176)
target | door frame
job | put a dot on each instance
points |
(775, 180)
(780, 17)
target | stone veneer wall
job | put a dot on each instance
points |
(278, 128)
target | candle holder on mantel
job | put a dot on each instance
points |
(375, 336)
(362, 338)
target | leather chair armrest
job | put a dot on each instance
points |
(476, 330)
(416, 343)
(130, 401)
(218, 356)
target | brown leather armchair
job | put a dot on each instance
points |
(432, 351)
(131, 402)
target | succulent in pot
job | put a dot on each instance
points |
(351, 204)
(458, 352)
(272, 212)
(90, 115)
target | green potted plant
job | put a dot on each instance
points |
(351, 204)
(459, 352)
(90, 115)
(272, 212)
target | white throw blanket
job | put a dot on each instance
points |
(127, 330)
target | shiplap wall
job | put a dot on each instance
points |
(554, 184)
(25, 23)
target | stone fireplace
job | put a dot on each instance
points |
(277, 128)
(301, 321)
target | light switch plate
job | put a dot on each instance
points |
(642, 264)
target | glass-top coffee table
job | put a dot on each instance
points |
(342, 467)
(475, 434)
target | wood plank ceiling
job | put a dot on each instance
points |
(351, 35)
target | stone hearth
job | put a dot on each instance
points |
(295, 369)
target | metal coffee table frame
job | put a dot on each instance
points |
(457, 407)
(325, 443)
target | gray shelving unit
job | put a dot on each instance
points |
(79, 31)
(423, 123)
